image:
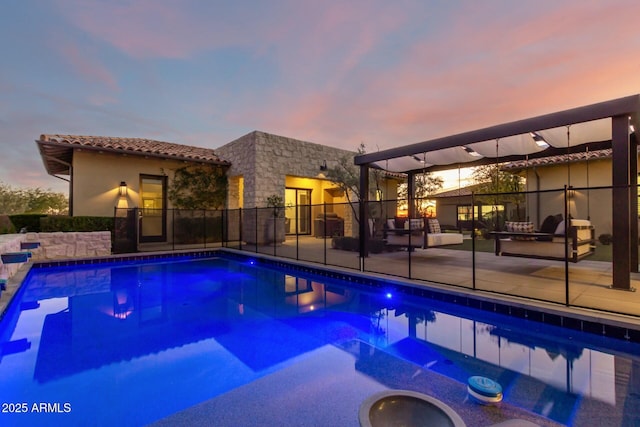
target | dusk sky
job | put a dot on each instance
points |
(339, 73)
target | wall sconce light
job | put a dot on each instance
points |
(323, 166)
(123, 189)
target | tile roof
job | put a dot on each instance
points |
(560, 159)
(57, 150)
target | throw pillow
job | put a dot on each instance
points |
(520, 227)
(416, 223)
(548, 226)
(434, 226)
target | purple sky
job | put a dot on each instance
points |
(384, 73)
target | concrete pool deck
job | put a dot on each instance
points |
(327, 388)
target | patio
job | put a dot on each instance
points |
(532, 280)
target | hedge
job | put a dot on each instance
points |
(30, 222)
(76, 223)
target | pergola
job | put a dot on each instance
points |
(602, 125)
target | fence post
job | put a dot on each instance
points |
(324, 232)
(567, 226)
(473, 240)
(204, 227)
(240, 227)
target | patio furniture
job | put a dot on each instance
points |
(334, 225)
(418, 233)
(520, 240)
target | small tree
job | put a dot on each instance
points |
(198, 187)
(495, 182)
(347, 177)
(276, 202)
(426, 184)
(31, 201)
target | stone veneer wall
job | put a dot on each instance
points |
(264, 160)
(61, 245)
(55, 246)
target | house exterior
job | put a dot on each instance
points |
(258, 165)
(105, 173)
(585, 173)
(264, 164)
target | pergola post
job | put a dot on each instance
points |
(364, 218)
(411, 193)
(621, 253)
(633, 197)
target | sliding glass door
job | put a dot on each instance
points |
(298, 210)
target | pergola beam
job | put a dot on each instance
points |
(629, 106)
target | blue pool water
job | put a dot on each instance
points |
(129, 344)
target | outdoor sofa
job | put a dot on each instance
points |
(521, 240)
(418, 233)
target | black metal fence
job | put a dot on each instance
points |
(328, 234)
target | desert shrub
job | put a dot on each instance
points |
(6, 226)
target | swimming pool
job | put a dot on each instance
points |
(130, 343)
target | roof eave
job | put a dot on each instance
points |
(44, 144)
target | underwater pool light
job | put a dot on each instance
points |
(389, 295)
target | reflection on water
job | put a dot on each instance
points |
(181, 322)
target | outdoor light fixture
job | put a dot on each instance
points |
(323, 166)
(539, 140)
(471, 152)
(123, 189)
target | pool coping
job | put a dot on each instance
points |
(622, 327)
(598, 323)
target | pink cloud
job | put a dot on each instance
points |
(159, 29)
(481, 64)
(87, 66)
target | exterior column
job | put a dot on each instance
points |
(621, 203)
(633, 197)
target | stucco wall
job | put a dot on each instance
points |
(97, 179)
(596, 204)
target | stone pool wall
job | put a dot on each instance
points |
(56, 245)
(61, 245)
